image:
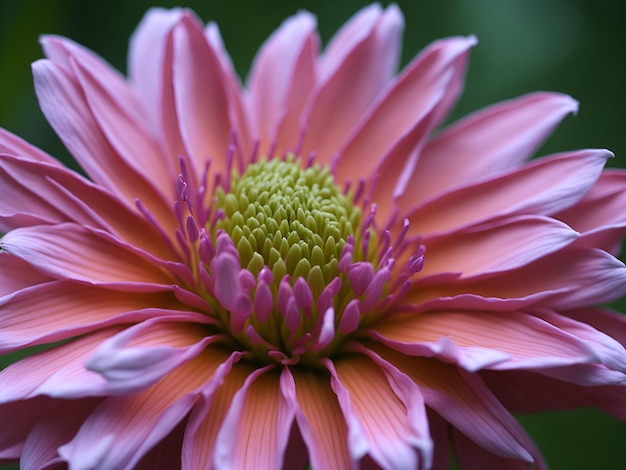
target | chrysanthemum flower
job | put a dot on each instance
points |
(301, 270)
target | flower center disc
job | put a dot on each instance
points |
(285, 262)
(291, 219)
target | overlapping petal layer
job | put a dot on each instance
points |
(186, 323)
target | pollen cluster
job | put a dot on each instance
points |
(291, 219)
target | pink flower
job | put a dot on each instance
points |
(302, 269)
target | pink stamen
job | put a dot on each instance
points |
(263, 302)
(327, 330)
(350, 318)
(192, 229)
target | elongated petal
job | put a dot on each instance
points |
(146, 58)
(200, 95)
(24, 203)
(347, 37)
(68, 251)
(275, 77)
(166, 454)
(50, 194)
(394, 174)
(208, 415)
(600, 215)
(57, 425)
(609, 351)
(475, 457)
(502, 246)
(524, 392)
(55, 311)
(139, 356)
(493, 139)
(465, 402)
(610, 322)
(126, 131)
(439, 430)
(123, 429)
(256, 428)
(22, 415)
(602, 205)
(59, 372)
(542, 187)
(238, 107)
(475, 340)
(383, 414)
(13, 145)
(352, 73)
(331, 442)
(403, 107)
(16, 274)
(570, 278)
(63, 103)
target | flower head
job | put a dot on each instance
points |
(302, 269)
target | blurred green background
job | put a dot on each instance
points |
(572, 46)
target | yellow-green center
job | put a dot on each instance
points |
(294, 220)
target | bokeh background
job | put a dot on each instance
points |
(574, 46)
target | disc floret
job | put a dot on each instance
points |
(287, 265)
(291, 219)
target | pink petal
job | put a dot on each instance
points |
(600, 215)
(25, 202)
(610, 352)
(464, 401)
(124, 428)
(410, 395)
(256, 428)
(353, 71)
(423, 84)
(281, 78)
(525, 392)
(238, 110)
(439, 430)
(125, 129)
(58, 372)
(609, 322)
(166, 454)
(542, 187)
(477, 458)
(200, 95)
(570, 278)
(493, 139)
(146, 58)
(501, 246)
(22, 415)
(208, 415)
(68, 251)
(214, 38)
(16, 274)
(331, 444)
(370, 20)
(13, 145)
(602, 205)
(55, 311)
(142, 354)
(63, 103)
(42, 191)
(475, 340)
(57, 425)
(77, 59)
(383, 415)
